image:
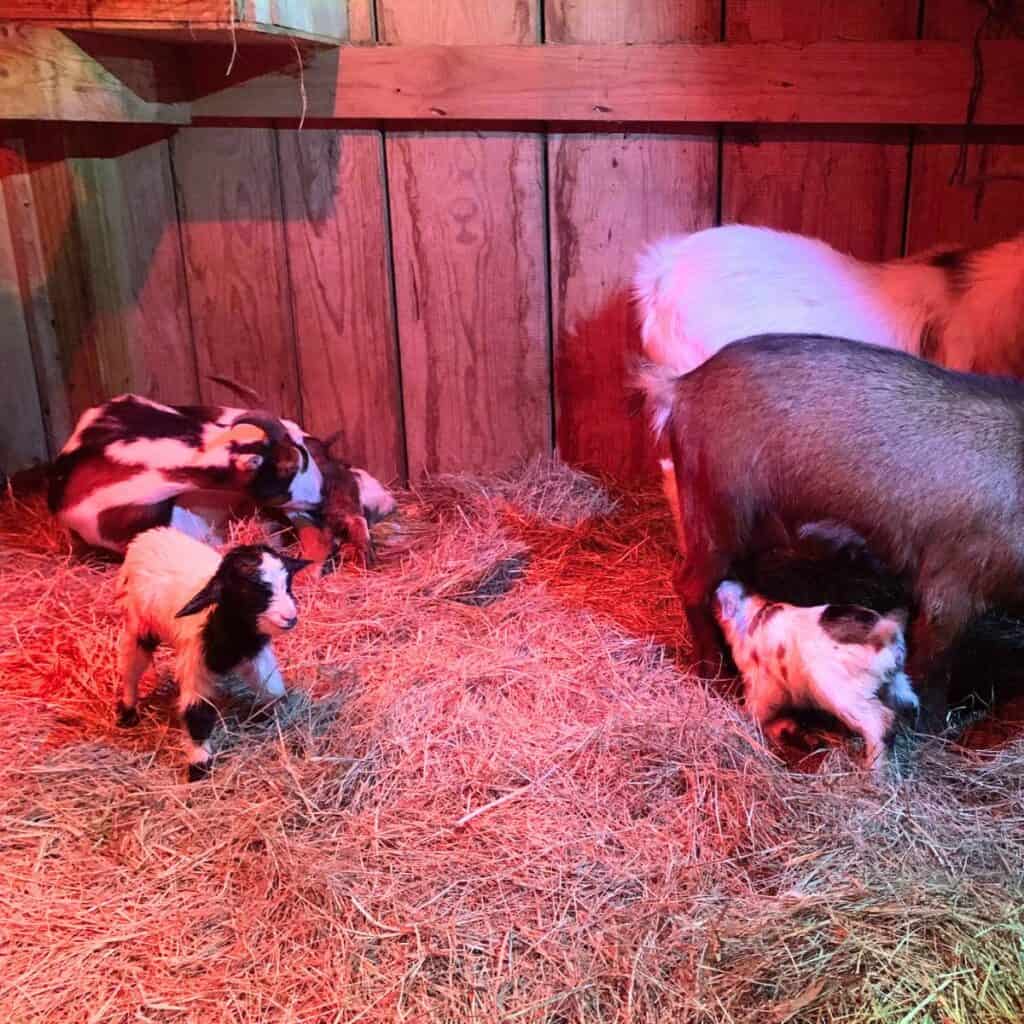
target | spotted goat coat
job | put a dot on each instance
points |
(842, 659)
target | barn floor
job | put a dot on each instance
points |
(492, 796)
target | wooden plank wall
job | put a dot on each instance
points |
(452, 300)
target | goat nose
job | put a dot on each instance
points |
(290, 623)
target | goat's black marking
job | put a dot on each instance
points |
(126, 716)
(930, 343)
(128, 419)
(956, 265)
(848, 623)
(199, 719)
(763, 615)
(148, 641)
(121, 523)
(231, 633)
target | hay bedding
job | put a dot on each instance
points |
(492, 796)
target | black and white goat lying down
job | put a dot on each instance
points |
(132, 464)
(218, 613)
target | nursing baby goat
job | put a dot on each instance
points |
(842, 659)
(218, 613)
(922, 462)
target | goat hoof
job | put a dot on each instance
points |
(126, 716)
(199, 771)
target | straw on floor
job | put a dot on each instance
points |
(492, 795)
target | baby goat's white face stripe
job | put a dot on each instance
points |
(281, 612)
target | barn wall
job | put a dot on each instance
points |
(452, 299)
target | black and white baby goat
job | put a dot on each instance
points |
(218, 613)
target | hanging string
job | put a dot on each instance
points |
(1002, 17)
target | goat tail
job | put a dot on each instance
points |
(657, 386)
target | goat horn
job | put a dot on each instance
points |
(268, 423)
(331, 438)
(242, 390)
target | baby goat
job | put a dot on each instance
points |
(166, 581)
(842, 659)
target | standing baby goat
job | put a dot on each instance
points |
(842, 659)
(245, 598)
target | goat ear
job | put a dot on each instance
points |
(294, 565)
(885, 632)
(210, 594)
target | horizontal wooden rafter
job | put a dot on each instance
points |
(924, 82)
(48, 75)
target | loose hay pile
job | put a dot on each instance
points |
(492, 797)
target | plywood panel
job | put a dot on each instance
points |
(467, 215)
(988, 204)
(22, 431)
(609, 196)
(229, 198)
(467, 212)
(845, 187)
(96, 237)
(335, 228)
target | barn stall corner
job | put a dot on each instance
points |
(382, 271)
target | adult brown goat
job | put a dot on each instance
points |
(926, 464)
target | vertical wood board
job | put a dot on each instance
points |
(457, 22)
(610, 195)
(845, 187)
(335, 230)
(361, 27)
(229, 198)
(989, 204)
(22, 431)
(469, 281)
(467, 214)
(31, 268)
(618, 21)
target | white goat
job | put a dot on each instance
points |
(842, 659)
(960, 308)
(219, 614)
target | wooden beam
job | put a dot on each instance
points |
(316, 20)
(46, 75)
(885, 82)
